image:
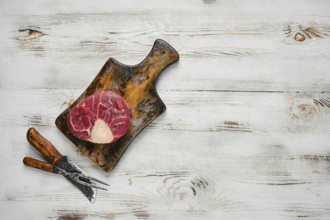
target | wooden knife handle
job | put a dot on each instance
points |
(28, 161)
(45, 147)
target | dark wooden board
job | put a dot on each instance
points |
(136, 84)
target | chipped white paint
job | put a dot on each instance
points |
(246, 131)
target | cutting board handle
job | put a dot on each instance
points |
(161, 55)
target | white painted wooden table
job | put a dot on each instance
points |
(247, 127)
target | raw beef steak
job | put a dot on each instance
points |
(101, 118)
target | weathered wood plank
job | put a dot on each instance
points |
(245, 134)
(216, 175)
(251, 53)
(203, 111)
(17, 7)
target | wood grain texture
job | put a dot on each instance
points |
(246, 130)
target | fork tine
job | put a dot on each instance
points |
(84, 180)
(92, 184)
(92, 178)
(99, 181)
(97, 187)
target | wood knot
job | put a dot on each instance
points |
(30, 34)
(307, 114)
(300, 33)
(188, 192)
(303, 109)
(307, 110)
(299, 37)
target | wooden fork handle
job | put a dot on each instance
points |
(31, 162)
(45, 147)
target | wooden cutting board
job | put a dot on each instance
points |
(136, 84)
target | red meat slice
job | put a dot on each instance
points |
(102, 118)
